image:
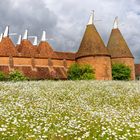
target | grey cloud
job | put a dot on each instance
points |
(74, 15)
(65, 21)
(33, 15)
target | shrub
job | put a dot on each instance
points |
(16, 76)
(83, 72)
(2, 76)
(74, 72)
(121, 72)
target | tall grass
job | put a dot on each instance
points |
(67, 110)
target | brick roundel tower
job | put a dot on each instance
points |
(93, 51)
(119, 50)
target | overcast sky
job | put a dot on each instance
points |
(65, 20)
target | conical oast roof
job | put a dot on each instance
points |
(92, 44)
(18, 47)
(117, 46)
(27, 49)
(7, 48)
(45, 50)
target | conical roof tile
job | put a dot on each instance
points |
(27, 49)
(92, 44)
(45, 50)
(7, 47)
(117, 45)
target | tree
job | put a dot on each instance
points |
(81, 72)
(121, 72)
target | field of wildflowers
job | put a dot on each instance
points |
(68, 110)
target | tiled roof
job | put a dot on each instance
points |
(7, 47)
(27, 49)
(66, 55)
(45, 50)
(117, 46)
(92, 44)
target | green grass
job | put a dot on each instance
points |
(68, 110)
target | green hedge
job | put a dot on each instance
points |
(121, 72)
(81, 72)
(13, 76)
(2, 76)
(16, 76)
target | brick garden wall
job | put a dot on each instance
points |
(36, 68)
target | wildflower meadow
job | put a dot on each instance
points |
(70, 110)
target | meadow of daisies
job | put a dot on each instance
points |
(68, 110)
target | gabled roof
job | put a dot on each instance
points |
(27, 49)
(7, 48)
(45, 50)
(117, 46)
(92, 44)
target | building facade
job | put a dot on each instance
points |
(42, 62)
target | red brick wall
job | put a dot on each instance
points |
(69, 63)
(22, 61)
(41, 62)
(57, 62)
(5, 69)
(36, 68)
(37, 62)
(4, 61)
(66, 63)
(101, 64)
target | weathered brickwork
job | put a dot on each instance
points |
(101, 65)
